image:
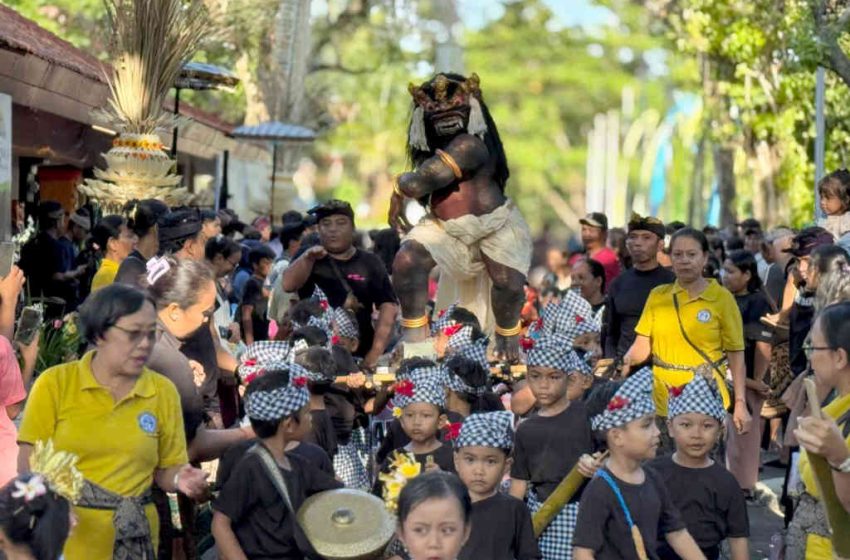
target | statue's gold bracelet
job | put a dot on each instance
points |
(509, 332)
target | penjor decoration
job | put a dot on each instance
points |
(151, 40)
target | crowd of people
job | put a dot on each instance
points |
(226, 372)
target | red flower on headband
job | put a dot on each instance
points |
(452, 330)
(324, 304)
(526, 343)
(335, 340)
(441, 314)
(299, 381)
(617, 403)
(452, 431)
(538, 324)
(250, 362)
(404, 388)
(579, 319)
(676, 391)
(251, 377)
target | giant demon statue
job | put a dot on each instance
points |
(472, 230)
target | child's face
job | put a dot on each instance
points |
(549, 385)
(637, 440)
(481, 469)
(577, 384)
(435, 530)
(440, 344)
(297, 431)
(349, 344)
(420, 421)
(264, 267)
(831, 204)
(695, 434)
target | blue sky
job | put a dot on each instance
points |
(475, 13)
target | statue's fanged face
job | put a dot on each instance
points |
(445, 102)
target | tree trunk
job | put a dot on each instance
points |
(724, 170)
(696, 206)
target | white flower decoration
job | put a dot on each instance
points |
(29, 490)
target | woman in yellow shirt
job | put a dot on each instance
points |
(708, 314)
(115, 241)
(122, 420)
(829, 357)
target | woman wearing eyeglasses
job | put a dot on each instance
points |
(829, 355)
(123, 422)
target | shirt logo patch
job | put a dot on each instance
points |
(147, 422)
(356, 277)
(704, 316)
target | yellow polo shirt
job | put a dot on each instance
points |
(105, 275)
(712, 321)
(119, 444)
(817, 547)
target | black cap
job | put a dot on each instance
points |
(808, 240)
(595, 219)
(179, 224)
(647, 223)
(331, 208)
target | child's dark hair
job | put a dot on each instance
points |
(301, 311)
(314, 336)
(597, 400)
(320, 361)
(271, 380)
(473, 374)
(408, 365)
(836, 185)
(745, 261)
(466, 318)
(344, 361)
(41, 524)
(433, 486)
(221, 245)
(260, 253)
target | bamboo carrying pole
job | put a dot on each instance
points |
(836, 515)
(559, 497)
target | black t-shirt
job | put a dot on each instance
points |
(602, 526)
(132, 270)
(323, 434)
(548, 447)
(627, 295)
(367, 277)
(41, 259)
(501, 530)
(710, 501)
(341, 410)
(253, 295)
(313, 454)
(753, 307)
(774, 284)
(801, 320)
(443, 456)
(396, 438)
(262, 523)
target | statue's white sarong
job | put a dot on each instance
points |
(456, 245)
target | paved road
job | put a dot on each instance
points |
(765, 515)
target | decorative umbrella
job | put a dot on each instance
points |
(275, 132)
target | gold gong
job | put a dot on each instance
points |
(346, 524)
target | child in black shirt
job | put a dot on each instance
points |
(551, 442)
(707, 495)
(255, 299)
(254, 516)
(501, 524)
(320, 362)
(624, 508)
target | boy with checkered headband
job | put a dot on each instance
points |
(419, 402)
(624, 507)
(254, 515)
(708, 496)
(552, 441)
(467, 374)
(345, 328)
(501, 524)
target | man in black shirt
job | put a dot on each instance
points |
(348, 276)
(628, 292)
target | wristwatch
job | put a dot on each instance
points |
(844, 467)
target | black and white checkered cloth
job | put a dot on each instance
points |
(461, 344)
(571, 317)
(458, 385)
(281, 402)
(443, 320)
(428, 386)
(554, 350)
(350, 469)
(487, 429)
(346, 323)
(556, 541)
(697, 396)
(632, 400)
(264, 351)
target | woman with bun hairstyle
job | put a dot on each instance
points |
(115, 241)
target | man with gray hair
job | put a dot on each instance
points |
(776, 242)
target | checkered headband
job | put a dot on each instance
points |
(265, 351)
(697, 396)
(475, 350)
(346, 324)
(632, 400)
(279, 403)
(555, 351)
(443, 320)
(487, 429)
(423, 385)
(571, 317)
